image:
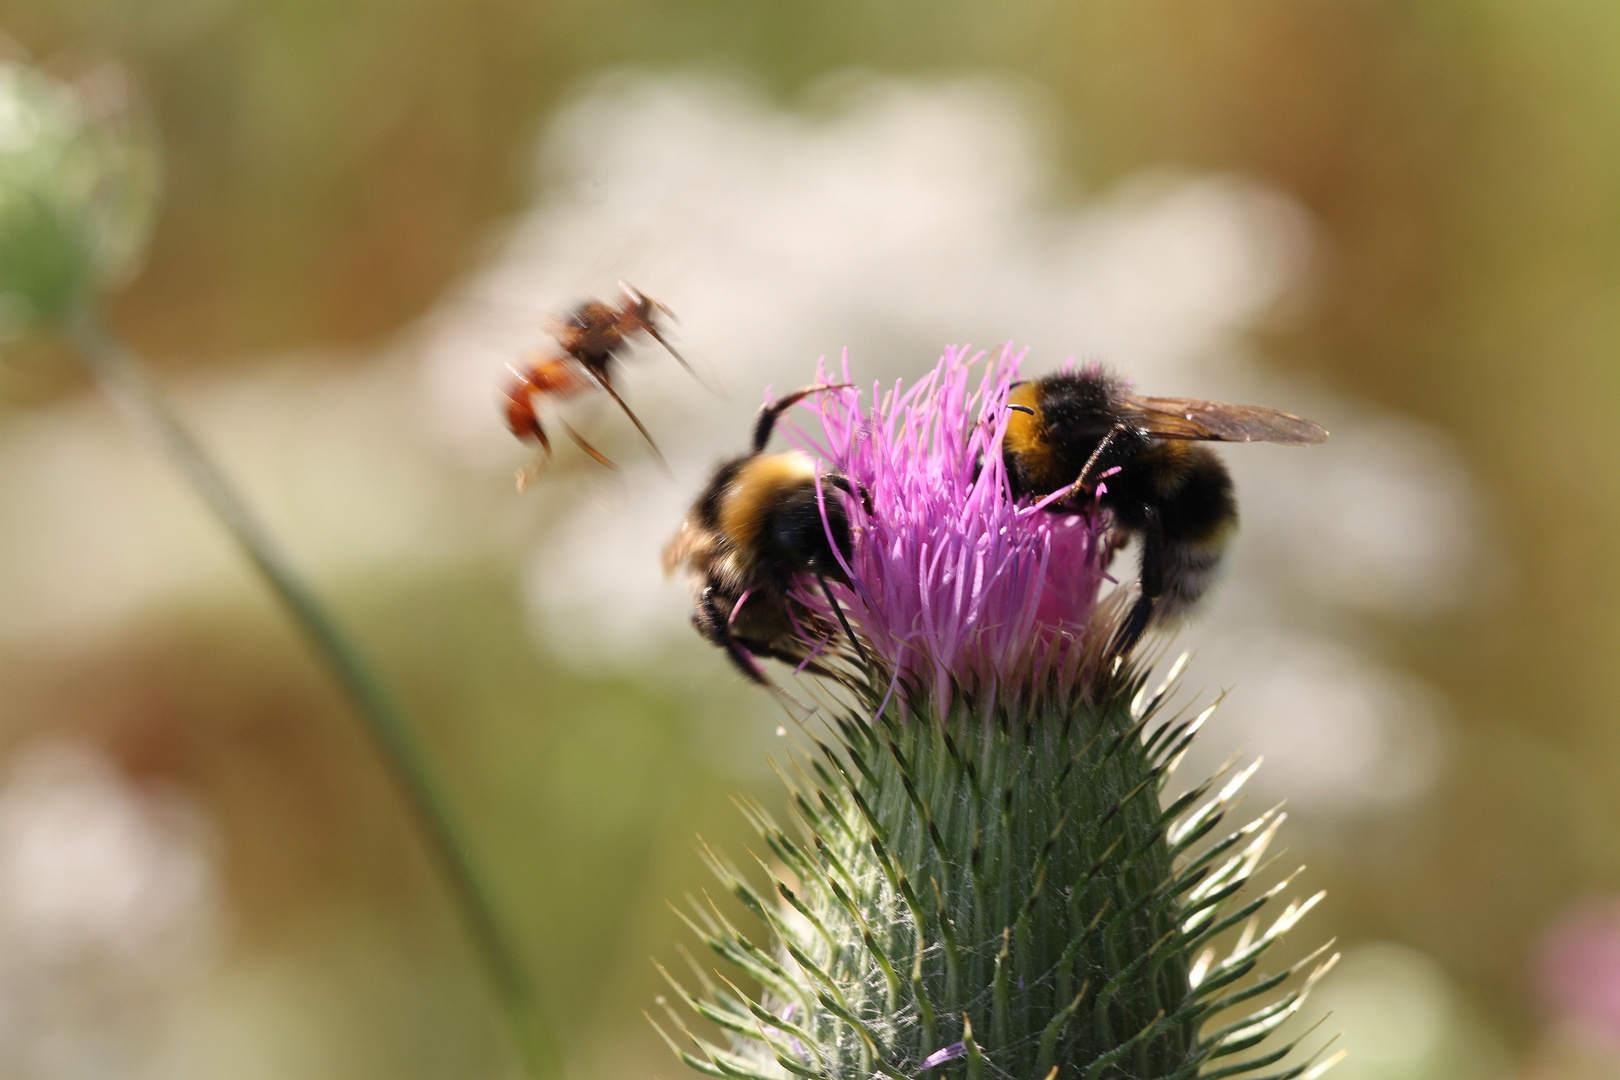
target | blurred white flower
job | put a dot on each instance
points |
(109, 904)
(909, 217)
(1338, 731)
(97, 526)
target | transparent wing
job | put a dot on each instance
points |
(689, 543)
(1218, 421)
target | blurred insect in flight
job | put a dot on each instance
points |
(758, 525)
(1075, 436)
(589, 341)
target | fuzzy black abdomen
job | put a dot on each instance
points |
(1185, 490)
(1185, 483)
(1203, 509)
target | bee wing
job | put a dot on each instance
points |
(684, 546)
(1218, 421)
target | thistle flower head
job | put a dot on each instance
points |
(958, 587)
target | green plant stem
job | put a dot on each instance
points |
(125, 378)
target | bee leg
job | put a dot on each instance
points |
(1093, 462)
(851, 487)
(579, 440)
(542, 457)
(1152, 584)
(715, 626)
(607, 387)
(838, 609)
(658, 336)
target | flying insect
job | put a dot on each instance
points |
(1079, 439)
(759, 524)
(587, 344)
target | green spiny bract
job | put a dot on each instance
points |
(1020, 887)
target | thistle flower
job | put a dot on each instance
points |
(958, 588)
(988, 875)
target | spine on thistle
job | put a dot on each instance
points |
(991, 872)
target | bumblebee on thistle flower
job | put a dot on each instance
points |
(760, 522)
(1084, 434)
(1075, 441)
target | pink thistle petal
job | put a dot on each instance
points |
(955, 585)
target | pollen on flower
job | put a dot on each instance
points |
(958, 588)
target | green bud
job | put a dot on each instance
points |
(79, 182)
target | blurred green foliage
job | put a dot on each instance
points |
(333, 166)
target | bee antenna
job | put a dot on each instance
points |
(771, 412)
(531, 472)
(637, 297)
(579, 440)
(679, 359)
(797, 710)
(607, 387)
(838, 609)
(648, 323)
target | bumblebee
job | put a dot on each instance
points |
(757, 526)
(1083, 439)
(589, 341)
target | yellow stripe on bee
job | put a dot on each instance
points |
(1027, 439)
(1218, 537)
(757, 485)
(1168, 462)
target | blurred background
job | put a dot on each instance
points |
(1402, 220)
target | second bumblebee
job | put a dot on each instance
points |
(1084, 434)
(758, 525)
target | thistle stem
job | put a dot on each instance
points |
(126, 379)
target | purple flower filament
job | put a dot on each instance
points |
(944, 1054)
(957, 587)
